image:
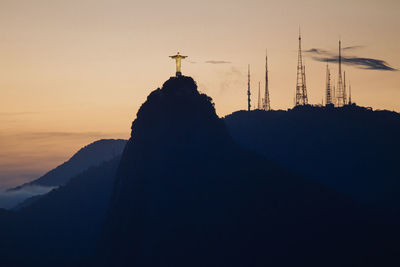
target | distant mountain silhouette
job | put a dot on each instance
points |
(88, 156)
(352, 149)
(187, 195)
(61, 227)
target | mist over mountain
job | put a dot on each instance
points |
(352, 149)
(186, 194)
(61, 227)
(88, 156)
(9, 199)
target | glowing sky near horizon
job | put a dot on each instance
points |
(75, 71)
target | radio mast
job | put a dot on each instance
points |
(328, 100)
(248, 89)
(267, 103)
(340, 93)
(301, 90)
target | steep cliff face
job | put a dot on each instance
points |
(187, 195)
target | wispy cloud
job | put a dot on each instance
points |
(358, 62)
(354, 47)
(325, 52)
(217, 62)
(230, 79)
(316, 51)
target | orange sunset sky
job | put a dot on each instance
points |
(72, 72)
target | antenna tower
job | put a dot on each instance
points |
(340, 95)
(301, 90)
(328, 100)
(350, 94)
(344, 89)
(248, 89)
(259, 105)
(267, 103)
(305, 86)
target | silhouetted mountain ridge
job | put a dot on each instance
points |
(61, 227)
(88, 156)
(352, 149)
(186, 194)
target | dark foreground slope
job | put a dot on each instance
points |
(352, 149)
(187, 195)
(62, 227)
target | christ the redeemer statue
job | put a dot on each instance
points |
(178, 58)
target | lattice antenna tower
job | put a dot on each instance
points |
(301, 90)
(267, 103)
(350, 94)
(328, 93)
(344, 89)
(340, 94)
(259, 103)
(305, 97)
(248, 89)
